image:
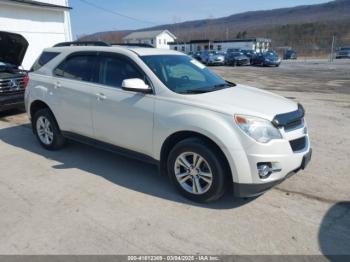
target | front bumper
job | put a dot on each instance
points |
(272, 63)
(342, 56)
(251, 190)
(216, 62)
(11, 101)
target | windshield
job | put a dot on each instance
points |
(345, 49)
(184, 75)
(271, 55)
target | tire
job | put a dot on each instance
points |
(210, 188)
(47, 131)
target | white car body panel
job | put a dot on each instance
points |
(124, 118)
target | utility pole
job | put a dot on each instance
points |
(332, 49)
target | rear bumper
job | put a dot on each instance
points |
(251, 190)
(8, 102)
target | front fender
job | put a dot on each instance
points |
(218, 127)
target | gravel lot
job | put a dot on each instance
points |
(83, 200)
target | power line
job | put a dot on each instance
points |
(116, 13)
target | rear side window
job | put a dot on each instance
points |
(78, 67)
(44, 58)
(114, 70)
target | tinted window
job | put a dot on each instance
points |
(44, 58)
(78, 67)
(114, 70)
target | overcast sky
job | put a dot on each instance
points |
(88, 19)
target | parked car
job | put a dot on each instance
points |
(236, 59)
(343, 52)
(165, 107)
(197, 56)
(249, 53)
(269, 58)
(290, 55)
(232, 50)
(12, 79)
(212, 58)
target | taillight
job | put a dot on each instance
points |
(25, 80)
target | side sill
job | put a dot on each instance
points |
(110, 148)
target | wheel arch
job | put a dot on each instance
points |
(37, 105)
(179, 136)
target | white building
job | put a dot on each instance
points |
(43, 23)
(158, 39)
(255, 44)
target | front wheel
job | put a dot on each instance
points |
(196, 171)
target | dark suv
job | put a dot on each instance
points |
(12, 79)
(343, 52)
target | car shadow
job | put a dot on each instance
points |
(126, 172)
(11, 112)
(334, 232)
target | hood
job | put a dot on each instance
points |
(240, 57)
(13, 47)
(246, 100)
(272, 58)
(217, 57)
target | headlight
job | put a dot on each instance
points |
(259, 129)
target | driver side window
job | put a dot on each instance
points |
(114, 70)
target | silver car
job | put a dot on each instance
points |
(213, 58)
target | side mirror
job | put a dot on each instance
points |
(136, 85)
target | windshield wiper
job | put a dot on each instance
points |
(198, 91)
(208, 90)
(222, 86)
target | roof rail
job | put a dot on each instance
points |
(134, 45)
(82, 43)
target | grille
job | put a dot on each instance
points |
(11, 85)
(293, 124)
(298, 144)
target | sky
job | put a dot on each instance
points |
(90, 16)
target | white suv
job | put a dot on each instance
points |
(165, 107)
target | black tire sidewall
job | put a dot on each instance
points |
(58, 139)
(218, 186)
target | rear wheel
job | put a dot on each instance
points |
(47, 131)
(196, 171)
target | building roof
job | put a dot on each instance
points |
(37, 3)
(147, 34)
(206, 41)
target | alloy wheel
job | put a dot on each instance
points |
(193, 173)
(44, 130)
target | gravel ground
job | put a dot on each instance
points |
(83, 200)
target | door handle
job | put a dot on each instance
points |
(57, 85)
(101, 97)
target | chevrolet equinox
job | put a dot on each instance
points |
(204, 132)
